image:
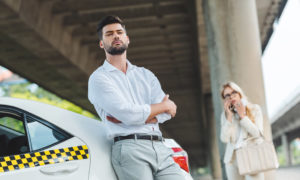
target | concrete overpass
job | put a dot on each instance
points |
(54, 44)
(286, 125)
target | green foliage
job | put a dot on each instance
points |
(280, 155)
(203, 171)
(295, 147)
(12, 124)
(295, 153)
(33, 92)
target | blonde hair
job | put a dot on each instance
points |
(238, 89)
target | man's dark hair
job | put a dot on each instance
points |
(108, 20)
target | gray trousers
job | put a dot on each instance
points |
(144, 160)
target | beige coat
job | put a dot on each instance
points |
(234, 133)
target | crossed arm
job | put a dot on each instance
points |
(166, 106)
(104, 94)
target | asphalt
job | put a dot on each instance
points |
(288, 173)
(283, 173)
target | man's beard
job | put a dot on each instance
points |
(116, 50)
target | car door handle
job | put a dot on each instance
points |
(60, 169)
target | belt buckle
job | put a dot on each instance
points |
(117, 138)
(151, 137)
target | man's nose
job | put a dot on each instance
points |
(116, 36)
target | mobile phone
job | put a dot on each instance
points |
(231, 107)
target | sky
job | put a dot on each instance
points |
(281, 60)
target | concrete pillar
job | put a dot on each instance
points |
(286, 150)
(215, 159)
(235, 54)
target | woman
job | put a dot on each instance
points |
(239, 120)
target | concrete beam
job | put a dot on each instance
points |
(17, 58)
(141, 34)
(125, 14)
(69, 6)
(138, 23)
(42, 34)
(285, 127)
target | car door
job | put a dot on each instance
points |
(33, 148)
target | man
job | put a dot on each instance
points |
(129, 99)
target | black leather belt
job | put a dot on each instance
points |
(139, 136)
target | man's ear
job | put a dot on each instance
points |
(128, 39)
(101, 44)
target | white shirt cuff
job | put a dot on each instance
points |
(245, 121)
(163, 117)
(147, 111)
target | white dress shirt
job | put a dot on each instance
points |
(126, 97)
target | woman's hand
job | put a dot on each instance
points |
(227, 110)
(240, 108)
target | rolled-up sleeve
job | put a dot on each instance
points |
(157, 95)
(254, 129)
(102, 93)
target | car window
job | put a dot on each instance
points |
(12, 135)
(12, 123)
(42, 135)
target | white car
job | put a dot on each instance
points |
(40, 141)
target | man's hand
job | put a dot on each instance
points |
(151, 121)
(112, 119)
(171, 106)
(166, 106)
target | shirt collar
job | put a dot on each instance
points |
(109, 67)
